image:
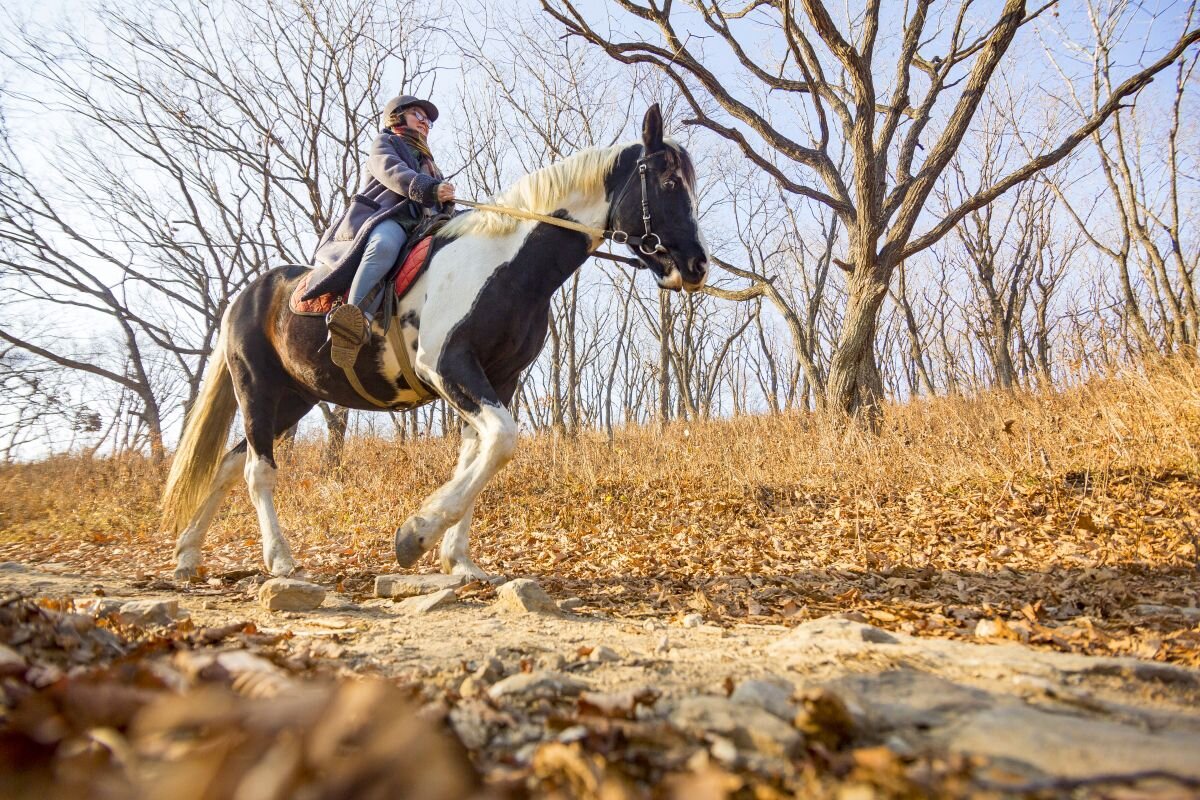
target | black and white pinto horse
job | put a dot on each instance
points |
(476, 318)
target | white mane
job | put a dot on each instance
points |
(542, 192)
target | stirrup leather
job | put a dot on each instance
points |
(348, 332)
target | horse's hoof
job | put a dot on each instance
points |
(284, 569)
(186, 574)
(408, 548)
(465, 567)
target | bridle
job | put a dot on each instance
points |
(649, 242)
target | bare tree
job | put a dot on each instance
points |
(210, 142)
(841, 95)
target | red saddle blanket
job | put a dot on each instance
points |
(414, 264)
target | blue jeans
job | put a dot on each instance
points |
(379, 256)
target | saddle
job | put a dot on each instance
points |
(409, 266)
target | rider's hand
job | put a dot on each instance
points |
(445, 192)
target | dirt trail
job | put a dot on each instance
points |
(856, 701)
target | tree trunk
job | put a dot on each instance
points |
(854, 384)
(337, 420)
(664, 357)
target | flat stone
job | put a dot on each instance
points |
(397, 586)
(822, 631)
(289, 594)
(748, 727)
(1190, 613)
(693, 621)
(537, 684)
(429, 602)
(771, 696)
(148, 612)
(525, 596)
(570, 604)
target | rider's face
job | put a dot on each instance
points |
(415, 118)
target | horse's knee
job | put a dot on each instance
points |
(502, 440)
(260, 474)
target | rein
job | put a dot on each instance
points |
(647, 244)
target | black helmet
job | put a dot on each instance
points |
(405, 101)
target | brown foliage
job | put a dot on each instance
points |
(1056, 519)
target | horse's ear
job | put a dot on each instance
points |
(652, 129)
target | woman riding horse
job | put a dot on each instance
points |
(470, 324)
(403, 185)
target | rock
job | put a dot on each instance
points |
(484, 675)
(693, 621)
(12, 566)
(831, 634)
(523, 596)
(148, 612)
(470, 720)
(429, 602)
(99, 606)
(772, 696)
(748, 727)
(537, 684)
(570, 604)
(552, 661)
(603, 655)
(11, 662)
(289, 594)
(396, 586)
(1152, 610)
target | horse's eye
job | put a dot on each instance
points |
(669, 185)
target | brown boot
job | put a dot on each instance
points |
(347, 334)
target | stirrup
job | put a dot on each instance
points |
(347, 334)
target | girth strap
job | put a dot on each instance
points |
(418, 394)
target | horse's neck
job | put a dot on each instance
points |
(587, 208)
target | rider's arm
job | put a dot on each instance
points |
(386, 166)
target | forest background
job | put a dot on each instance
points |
(924, 199)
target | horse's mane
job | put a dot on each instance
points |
(542, 192)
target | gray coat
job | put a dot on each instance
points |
(396, 188)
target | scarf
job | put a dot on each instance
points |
(413, 138)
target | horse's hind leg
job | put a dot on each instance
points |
(266, 416)
(187, 549)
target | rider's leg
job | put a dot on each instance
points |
(349, 323)
(379, 256)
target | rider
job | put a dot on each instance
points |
(403, 186)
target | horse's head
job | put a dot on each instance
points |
(663, 185)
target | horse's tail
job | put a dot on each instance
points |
(203, 443)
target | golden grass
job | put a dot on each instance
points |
(1059, 512)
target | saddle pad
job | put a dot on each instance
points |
(413, 265)
(319, 306)
(410, 270)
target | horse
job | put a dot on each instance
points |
(474, 320)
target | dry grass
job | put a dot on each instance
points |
(1057, 515)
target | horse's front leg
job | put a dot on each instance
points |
(455, 551)
(495, 440)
